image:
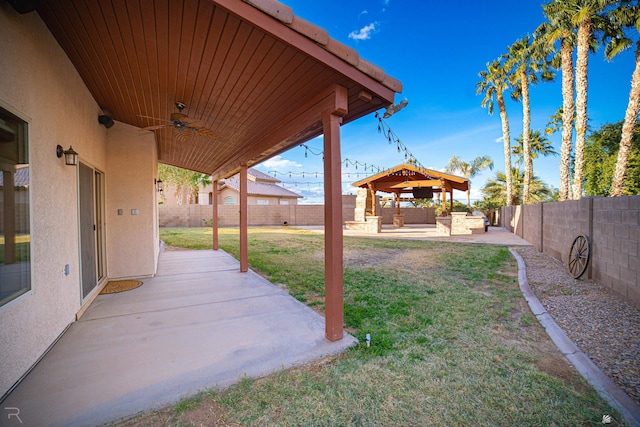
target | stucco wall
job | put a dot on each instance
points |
(40, 85)
(132, 243)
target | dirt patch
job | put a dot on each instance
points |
(207, 413)
(399, 259)
(555, 364)
(175, 248)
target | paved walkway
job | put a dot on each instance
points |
(199, 323)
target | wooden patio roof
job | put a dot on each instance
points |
(406, 177)
(250, 71)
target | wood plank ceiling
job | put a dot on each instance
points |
(239, 71)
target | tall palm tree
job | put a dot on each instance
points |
(560, 28)
(528, 63)
(625, 16)
(469, 170)
(586, 18)
(494, 83)
(539, 145)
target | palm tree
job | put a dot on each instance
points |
(560, 28)
(539, 145)
(585, 17)
(494, 189)
(469, 170)
(528, 62)
(494, 82)
(623, 17)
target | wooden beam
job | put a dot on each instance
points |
(214, 218)
(307, 118)
(244, 221)
(333, 264)
(418, 184)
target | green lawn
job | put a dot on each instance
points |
(453, 342)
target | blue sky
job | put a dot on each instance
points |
(436, 49)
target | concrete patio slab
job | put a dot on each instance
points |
(199, 323)
(495, 235)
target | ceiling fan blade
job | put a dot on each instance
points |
(153, 118)
(182, 135)
(157, 127)
(179, 117)
(202, 131)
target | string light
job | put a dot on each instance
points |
(369, 169)
(392, 138)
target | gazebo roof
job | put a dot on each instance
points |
(406, 177)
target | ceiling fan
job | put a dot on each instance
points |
(183, 125)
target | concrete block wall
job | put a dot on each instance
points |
(259, 215)
(562, 223)
(616, 245)
(613, 227)
(411, 215)
(532, 232)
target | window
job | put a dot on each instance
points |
(284, 202)
(229, 200)
(15, 236)
(262, 202)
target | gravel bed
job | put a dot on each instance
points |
(602, 324)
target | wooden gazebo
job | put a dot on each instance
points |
(409, 178)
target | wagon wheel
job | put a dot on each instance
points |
(579, 256)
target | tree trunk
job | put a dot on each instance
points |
(469, 197)
(507, 148)
(582, 61)
(526, 137)
(566, 52)
(630, 118)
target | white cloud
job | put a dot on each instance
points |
(364, 12)
(364, 33)
(280, 164)
(500, 140)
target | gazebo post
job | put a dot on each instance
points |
(372, 189)
(333, 251)
(451, 200)
(398, 202)
(214, 218)
(244, 221)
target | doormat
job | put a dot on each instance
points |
(115, 286)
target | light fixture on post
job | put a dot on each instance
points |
(70, 156)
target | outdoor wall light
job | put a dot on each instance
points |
(70, 156)
(159, 187)
(105, 120)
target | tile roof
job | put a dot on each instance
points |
(21, 178)
(259, 188)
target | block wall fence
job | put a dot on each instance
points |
(613, 227)
(261, 215)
